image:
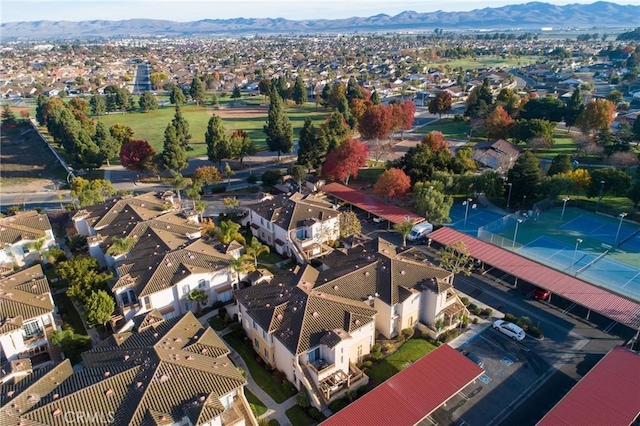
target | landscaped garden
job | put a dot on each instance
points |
(298, 417)
(411, 351)
(256, 405)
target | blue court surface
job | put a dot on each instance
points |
(475, 218)
(591, 266)
(606, 232)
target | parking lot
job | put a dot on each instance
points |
(513, 370)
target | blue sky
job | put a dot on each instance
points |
(190, 10)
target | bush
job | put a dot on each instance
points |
(222, 312)
(376, 348)
(510, 317)
(400, 338)
(408, 333)
(448, 335)
(252, 179)
(474, 320)
(361, 391)
(387, 347)
(486, 312)
(237, 330)
(303, 398)
(465, 301)
(337, 405)
(476, 310)
(472, 306)
(271, 177)
(534, 331)
(367, 364)
(315, 414)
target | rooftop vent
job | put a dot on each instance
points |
(109, 392)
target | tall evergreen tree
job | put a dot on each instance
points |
(197, 90)
(217, 140)
(41, 103)
(174, 156)
(8, 116)
(176, 96)
(326, 95)
(525, 177)
(574, 108)
(353, 90)
(375, 97)
(299, 93)
(278, 127)
(311, 151)
(109, 147)
(343, 108)
(181, 125)
(98, 105)
(333, 131)
(148, 102)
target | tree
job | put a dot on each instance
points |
(616, 182)
(376, 122)
(345, 161)
(215, 102)
(109, 147)
(635, 129)
(240, 265)
(299, 93)
(99, 307)
(403, 116)
(580, 179)
(432, 202)
(179, 182)
(349, 224)
(404, 228)
(480, 100)
(271, 177)
(436, 141)
(310, 153)
(228, 172)
(197, 90)
(91, 192)
(456, 258)
(148, 102)
(615, 96)
(392, 183)
(525, 177)
(375, 97)
(228, 231)
(333, 132)
(207, 175)
(498, 123)
(173, 156)
(121, 133)
(217, 140)
(546, 108)
(157, 78)
(298, 173)
(597, 116)
(264, 86)
(574, 107)
(420, 162)
(634, 194)
(353, 90)
(120, 245)
(441, 103)
(525, 130)
(236, 93)
(181, 126)
(137, 155)
(176, 96)
(278, 127)
(231, 203)
(70, 343)
(241, 145)
(81, 273)
(198, 296)
(561, 164)
(255, 249)
(8, 116)
(98, 105)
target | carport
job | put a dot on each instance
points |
(593, 298)
(607, 395)
(412, 394)
(370, 204)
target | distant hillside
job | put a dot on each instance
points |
(525, 16)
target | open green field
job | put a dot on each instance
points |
(450, 128)
(150, 126)
(490, 61)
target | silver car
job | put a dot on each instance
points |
(509, 329)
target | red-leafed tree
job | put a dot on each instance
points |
(403, 116)
(498, 123)
(436, 141)
(345, 160)
(137, 155)
(441, 104)
(376, 122)
(393, 183)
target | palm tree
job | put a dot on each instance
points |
(240, 265)
(404, 228)
(120, 245)
(228, 231)
(255, 249)
(37, 246)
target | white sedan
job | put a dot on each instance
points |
(509, 329)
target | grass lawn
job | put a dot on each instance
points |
(274, 422)
(256, 405)
(287, 266)
(69, 313)
(450, 129)
(370, 174)
(271, 257)
(408, 353)
(150, 126)
(563, 144)
(298, 417)
(490, 61)
(263, 378)
(216, 323)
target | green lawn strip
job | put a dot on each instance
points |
(262, 377)
(274, 422)
(69, 313)
(216, 323)
(408, 353)
(256, 405)
(271, 257)
(370, 174)
(450, 128)
(287, 266)
(298, 417)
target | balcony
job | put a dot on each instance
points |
(321, 368)
(38, 337)
(339, 382)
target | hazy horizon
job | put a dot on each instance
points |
(193, 10)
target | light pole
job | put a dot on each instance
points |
(515, 234)
(564, 204)
(622, 216)
(575, 251)
(600, 196)
(466, 203)
(510, 185)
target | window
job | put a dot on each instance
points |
(125, 298)
(262, 221)
(359, 352)
(266, 353)
(31, 329)
(187, 306)
(395, 309)
(255, 342)
(254, 325)
(202, 284)
(185, 289)
(313, 355)
(147, 302)
(264, 335)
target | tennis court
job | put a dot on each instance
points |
(475, 218)
(596, 248)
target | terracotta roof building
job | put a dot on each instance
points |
(164, 372)
(19, 233)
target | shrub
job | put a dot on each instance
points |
(387, 347)
(476, 310)
(472, 306)
(222, 312)
(448, 335)
(465, 301)
(474, 320)
(271, 177)
(376, 356)
(367, 364)
(303, 398)
(534, 331)
(362, 390)
(486, 312)
(236, 329)
(510, 317)
(408, 333)
(523, 322)
(337, 405)
(400, 338)
(376, 348)
(315, 414)
(252, 179)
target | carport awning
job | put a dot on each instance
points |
(611, 305)
(433, 379)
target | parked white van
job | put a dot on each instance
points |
(420, 231)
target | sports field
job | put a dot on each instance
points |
(596, 248)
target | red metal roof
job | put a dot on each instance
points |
(371, 204)
(413, 393)
(609, 304)
(608, 395)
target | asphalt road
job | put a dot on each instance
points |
(141, 80)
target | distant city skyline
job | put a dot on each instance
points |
(190, 10)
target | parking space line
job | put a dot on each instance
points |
(499, 347)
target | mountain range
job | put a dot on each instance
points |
(528, 16)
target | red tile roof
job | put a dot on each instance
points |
(609, 304)
(608, 395)
(370, 203)
(413, 393)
